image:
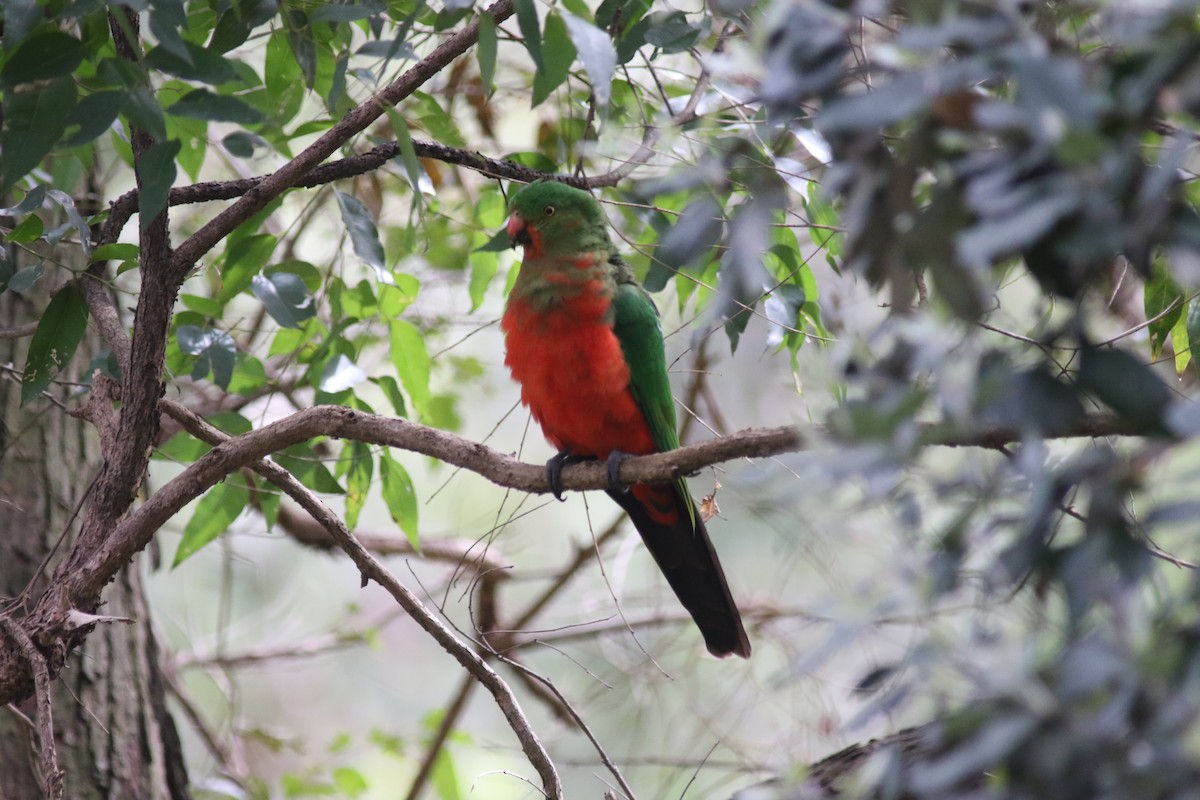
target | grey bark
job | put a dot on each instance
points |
(114, 735)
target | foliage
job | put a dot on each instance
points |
(1033, 162)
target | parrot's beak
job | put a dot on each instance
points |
(518, 231)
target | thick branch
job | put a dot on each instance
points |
(127, 454)
(339, 422)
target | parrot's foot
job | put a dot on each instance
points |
(554, 468)
(613, 467)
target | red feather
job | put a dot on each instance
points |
(573, 376)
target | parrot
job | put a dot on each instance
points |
(584, 341)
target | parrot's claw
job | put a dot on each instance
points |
(613, 468)
(554, 468)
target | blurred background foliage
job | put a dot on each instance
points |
(955, 241)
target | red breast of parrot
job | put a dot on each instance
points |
(584, 341)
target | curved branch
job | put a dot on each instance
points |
(371, 569)
(135, 531)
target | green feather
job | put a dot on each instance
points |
(570, 220)
(639, 330)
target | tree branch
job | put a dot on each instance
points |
(51, 774)
(135, 531)
(371, 569)
(121, 209)
(343, 423)
(355, 121)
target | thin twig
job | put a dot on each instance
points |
(18, 331)
(604, 757)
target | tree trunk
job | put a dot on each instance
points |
(114, 736)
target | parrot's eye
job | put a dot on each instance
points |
(549, 211)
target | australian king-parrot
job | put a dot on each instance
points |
(584, 341)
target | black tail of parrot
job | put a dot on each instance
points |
(680, 545)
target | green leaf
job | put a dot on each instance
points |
(24, 280)
(231, 422)
(118, 251)
(531, 36)
(694, 235)
(19, 17)
(269, 499)
(596, 53)
(412, 362)
(94, 115)
(203, 104)
(201, 64)
(400, 497)
(350, 782)
(185, 448)
(182, 448)
(47, 55)
(303, 46)
(77, 222)
(30, 230)
(215, 512)
(283, 78)
(485, 51)
(483, 268)
(335, 98)
(58, 333)
(558, 55)
(244, 259)
(364, 236)
(358, 480)
(399, 295)
(167, 19)
(215, 349)
(1181, 343)
(331, 12)
(497, 244)
(1161, 298)
(32, 201)
(391, 390)
(249, 375)
(285, 297)
(157, 168)
(242, 144)
(33, 121)
(671, 32)
(408, 156)
(306, 466)
(1124, 384)
(235, 23)
(444, 777)
(143, 110)
(1193, 328)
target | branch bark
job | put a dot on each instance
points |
(134, 533)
